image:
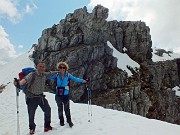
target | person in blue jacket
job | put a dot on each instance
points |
(62, 91)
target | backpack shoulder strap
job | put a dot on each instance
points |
(57, 75)
(68, 79)
(67, 74)
(33, 78)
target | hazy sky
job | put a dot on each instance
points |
(22, 21)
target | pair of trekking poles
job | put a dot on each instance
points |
(89, 92)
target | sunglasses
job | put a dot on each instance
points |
(62, 67)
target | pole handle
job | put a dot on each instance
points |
(17, 81)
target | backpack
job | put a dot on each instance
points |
(23, 73)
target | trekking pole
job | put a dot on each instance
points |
(90, 98)
(89, 104)
(17, 104)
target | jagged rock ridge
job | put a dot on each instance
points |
(81, 40)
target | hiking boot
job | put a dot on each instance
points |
(31, 132)
(71, 124)
(46, 129)
(61, 123)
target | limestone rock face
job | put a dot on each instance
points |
(81, 40)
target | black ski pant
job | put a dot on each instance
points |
(32, 104)
(63, 104)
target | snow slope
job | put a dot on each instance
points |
(104, 121)
(123, 60)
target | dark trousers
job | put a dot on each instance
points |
(63, 103)
(32, 104)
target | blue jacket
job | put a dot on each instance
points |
(64, 82)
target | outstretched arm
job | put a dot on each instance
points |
(76, 79)
(50, 73)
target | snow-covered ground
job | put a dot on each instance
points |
(104, 121)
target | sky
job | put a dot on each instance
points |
(22, 21)
(102, 121)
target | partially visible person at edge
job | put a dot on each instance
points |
(62, 91)
(35, 97)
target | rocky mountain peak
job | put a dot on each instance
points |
(81, 40)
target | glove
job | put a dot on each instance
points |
(16, 82)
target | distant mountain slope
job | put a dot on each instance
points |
(13, 68)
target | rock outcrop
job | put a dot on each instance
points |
(81, 40)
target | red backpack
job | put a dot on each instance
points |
(23, 73)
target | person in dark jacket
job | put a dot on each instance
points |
(62, 91)
(35, 97)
